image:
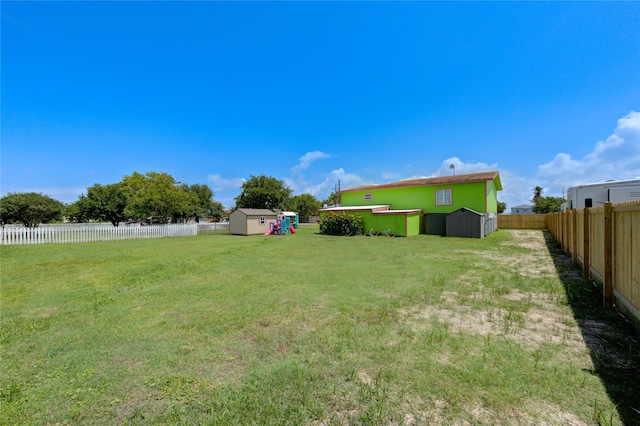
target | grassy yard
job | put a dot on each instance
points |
(309, 329)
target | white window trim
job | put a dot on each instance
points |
(444, 197)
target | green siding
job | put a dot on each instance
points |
(398, 198)
(479, 196)
(414, 224)
(492, 197)
(402, 225)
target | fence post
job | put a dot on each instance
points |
(585, 234)
(565, 232)
(607, 292)
(574, 236)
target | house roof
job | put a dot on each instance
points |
(523, 206)
(253, 212)
(441, 180)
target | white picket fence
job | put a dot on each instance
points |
(84, 233)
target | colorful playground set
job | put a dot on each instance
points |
(282, 226)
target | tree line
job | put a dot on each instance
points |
(137, 198)
(154, 196)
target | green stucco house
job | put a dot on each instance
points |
(431, 199)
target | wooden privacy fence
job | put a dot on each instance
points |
(606, 242)
(522, 221)
(84, 233)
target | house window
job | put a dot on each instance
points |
(444, 197)
(262, 220)
(368, 197)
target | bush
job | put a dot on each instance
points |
(341, 223)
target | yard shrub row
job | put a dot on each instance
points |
(341, 223)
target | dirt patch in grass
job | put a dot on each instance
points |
(527, 238)
(531, 319)
(526, 254)
(545, 322)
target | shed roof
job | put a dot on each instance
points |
(255, 212)
(441, 180)
(463, 209)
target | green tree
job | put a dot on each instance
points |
(537, 192)
(306, 205)
(263, 192)
(157, 195)
(216, 210)
(543, 205)
(547, 204)
(501, 207)
(205, 205)
(29, 208)
(105, 203)
(203, 198)
(332, 200)
(77, 211)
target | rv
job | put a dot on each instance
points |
(596, 194)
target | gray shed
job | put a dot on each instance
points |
(466, 223)
(250, 221)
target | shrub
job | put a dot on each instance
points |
(341, 223)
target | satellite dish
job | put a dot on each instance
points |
(453, 167)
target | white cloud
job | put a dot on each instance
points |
(346, 180)
(305, 161)
(617, 157)
(225, 189)
(461, 168)
(222, 184)
(516, 190)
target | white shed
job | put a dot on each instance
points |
(250, 221)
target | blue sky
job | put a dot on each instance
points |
(313, 93)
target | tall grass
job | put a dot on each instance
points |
(300, 329)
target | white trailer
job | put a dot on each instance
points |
(596, 194)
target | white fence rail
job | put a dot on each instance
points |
(84, 233)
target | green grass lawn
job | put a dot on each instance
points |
(301, 329)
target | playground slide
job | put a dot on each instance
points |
(292, 230)
(269, 232)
